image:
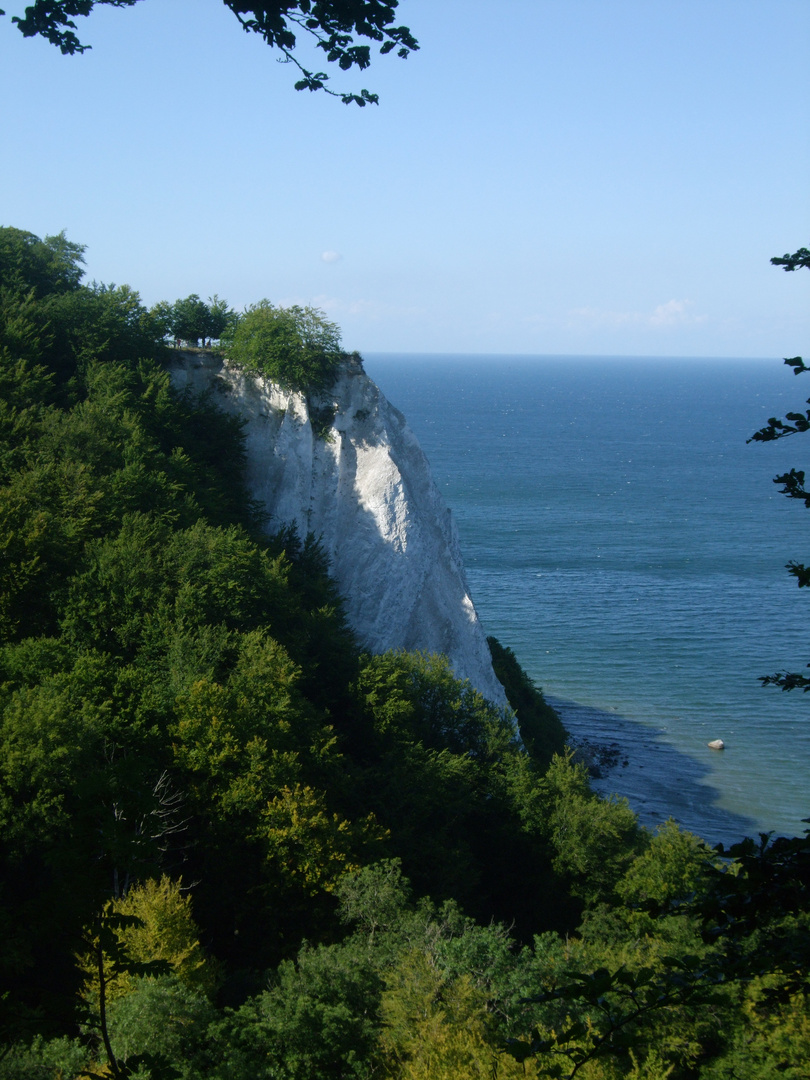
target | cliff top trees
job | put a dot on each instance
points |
(297, 347)
(192, 320)
(333, 25)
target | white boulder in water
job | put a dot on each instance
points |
(716, 744)
(366, 491)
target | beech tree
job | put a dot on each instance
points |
(42, 267)
(297, 347)
(337, 27)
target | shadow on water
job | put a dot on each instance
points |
(659, 781)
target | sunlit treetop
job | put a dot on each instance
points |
(335, 26)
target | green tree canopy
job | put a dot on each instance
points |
(180, 700)
(192, 320)
(333, 25)
(189, 319)
(220, 317)
(297, 347)
(51, 265)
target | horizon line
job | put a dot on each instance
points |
(562, 356)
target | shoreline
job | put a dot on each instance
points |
(628, 759)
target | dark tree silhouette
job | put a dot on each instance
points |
(337, 27)
(793, 482)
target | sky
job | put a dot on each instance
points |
(605, 177)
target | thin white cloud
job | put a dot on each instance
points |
(295, 301)
(674, 312)
(331, 256)
(588, 316)
(366, 309)
(669, 314)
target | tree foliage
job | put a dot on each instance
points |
(389, 875)
(793, 482)
(792, 262)
(335, 27)
(540, 728)
(194, 321)
(297, 347)
(47, 266)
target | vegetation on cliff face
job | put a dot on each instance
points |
(234, 846)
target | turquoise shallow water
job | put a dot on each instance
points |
(623, 539)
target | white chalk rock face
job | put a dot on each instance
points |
(366, 491)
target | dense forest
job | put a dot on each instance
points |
(235, 846)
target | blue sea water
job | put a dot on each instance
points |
(621, 536)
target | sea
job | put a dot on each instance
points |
(623, 538)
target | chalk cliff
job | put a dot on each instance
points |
(366, 491)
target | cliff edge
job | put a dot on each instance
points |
(344, 465)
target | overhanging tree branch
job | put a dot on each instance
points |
(792, 262)
(793, 482)
(334, 25)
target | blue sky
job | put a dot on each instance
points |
(543, 176)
